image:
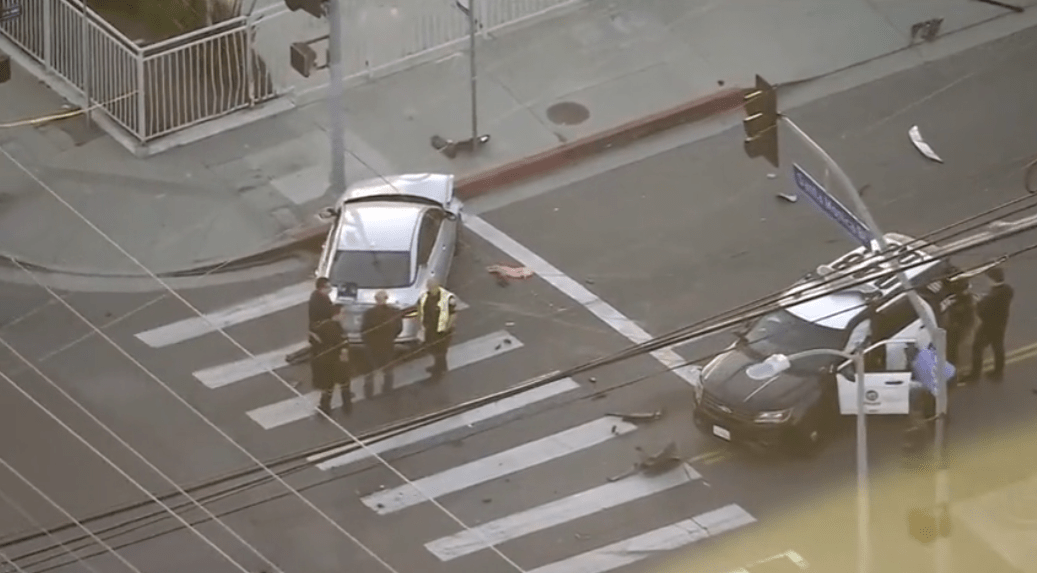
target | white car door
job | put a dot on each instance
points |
(884, 392)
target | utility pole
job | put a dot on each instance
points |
(760, 127)
(303, 60)
(336, 112)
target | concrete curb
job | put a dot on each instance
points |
(545, 162)
(312, 236)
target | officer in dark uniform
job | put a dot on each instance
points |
(326, 365)
(959, 318)
(380, 326)
(993, 321)
(319, 308)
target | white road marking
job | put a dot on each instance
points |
(460, 355)
(574, 290)
(440, 427)
(244, 311)
(557, 512)
(498, 465)
(253, 308)
(227, 374)
(667, 538)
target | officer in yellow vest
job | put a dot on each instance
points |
(437, 310)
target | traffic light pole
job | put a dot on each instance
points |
(336, 111)
(925, 313)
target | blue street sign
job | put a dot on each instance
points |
(9, 12)
(831, 206)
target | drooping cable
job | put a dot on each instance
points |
(69, 516)
(53, 538)
(118, 469)
(291, 387)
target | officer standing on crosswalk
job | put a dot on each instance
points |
(326, 365)
(437, 311)
(380, 326)
(318, 309)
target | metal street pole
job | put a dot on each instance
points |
(863, 495)
(336, 112)
(923, 311)
(471, 69)
(85, 59)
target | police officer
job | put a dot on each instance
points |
(960, 318)
(437, 310)
(993, 321)
(326, 364)
(380, 326)
(923, 391)
(319, 309)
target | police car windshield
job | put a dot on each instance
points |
(782, 332)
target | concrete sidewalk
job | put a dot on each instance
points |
(242, 191)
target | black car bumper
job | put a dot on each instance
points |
(742, 430)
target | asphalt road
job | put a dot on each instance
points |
(668, 241)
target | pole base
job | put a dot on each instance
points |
(450, 148)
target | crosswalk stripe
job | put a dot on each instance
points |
(582, 504)
(227, 374)
(244, 311)
(471, 417)
(498, 465)
(253, 308)
(634, 549)
(458, 356)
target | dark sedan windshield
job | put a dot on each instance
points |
(371, 269)
(782, 332)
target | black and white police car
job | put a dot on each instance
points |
(797, 409)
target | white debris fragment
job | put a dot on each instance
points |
(916, 138)
(788, 197)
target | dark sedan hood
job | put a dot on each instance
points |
(726, 380)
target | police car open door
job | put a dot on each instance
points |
(887, 371)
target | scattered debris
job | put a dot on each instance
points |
(487, 500)
(505, 342)
(921, 145)
(927, 30)
(788, 197)
(509, 324)
(502, 273)
(1012, 7)
(638, 416)
(665, 460)
(589, 281)
(592, 380)
(772, 176)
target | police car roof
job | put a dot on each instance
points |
(838, 310)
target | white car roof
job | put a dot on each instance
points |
(385, 226)
(838, 309)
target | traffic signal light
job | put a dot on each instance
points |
(313, 7)
(761, 122)
(5, 68)
(924, 525)
(303, 58)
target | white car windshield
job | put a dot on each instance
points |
(782, 332)
(371, 269)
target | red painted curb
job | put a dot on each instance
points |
(569, 153)
(574, 151)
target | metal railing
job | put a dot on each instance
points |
(149, 90)
(156, 89)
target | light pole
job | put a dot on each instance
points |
(774, 365)
(939, 337)
(447, 146)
